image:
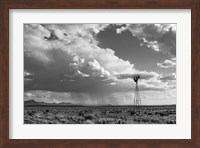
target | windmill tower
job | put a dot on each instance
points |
(137, 99)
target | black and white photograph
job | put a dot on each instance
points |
(100, 73)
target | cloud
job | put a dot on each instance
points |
(47, 96)
(149, 81)
(120, 30)
(51, 37)
(67, 58)
(75, 98)
(168, 77)
(97, 70)
(28, 78)
(143, 75)
(126, 98)
(167, 64)
(76, 74)
(159, 98)
(87, 68)
(83, 68)
(113, 83)
(86, 31)
(146, 87)
(65, 61)
(159, 37)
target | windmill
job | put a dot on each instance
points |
(137, 98)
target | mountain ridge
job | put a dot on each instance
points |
(35, 103)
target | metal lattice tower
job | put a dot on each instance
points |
(137, 98)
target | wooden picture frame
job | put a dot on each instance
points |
(5, 5)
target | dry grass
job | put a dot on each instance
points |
(100, 115)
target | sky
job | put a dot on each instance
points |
(94, 64)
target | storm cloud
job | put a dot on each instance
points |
(67, 59)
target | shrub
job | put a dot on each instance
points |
(119, 121)
(30, 113)
(163, 114)
(169, 122)
(132, 112)
(80, 114)
(89, 117)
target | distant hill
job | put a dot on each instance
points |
(31, 102)
(65, 103)
(35, 103)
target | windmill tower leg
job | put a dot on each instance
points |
(137, 99)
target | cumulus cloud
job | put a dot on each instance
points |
(159, 37)
(60, 55)
(167, 64)
(97, 70)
